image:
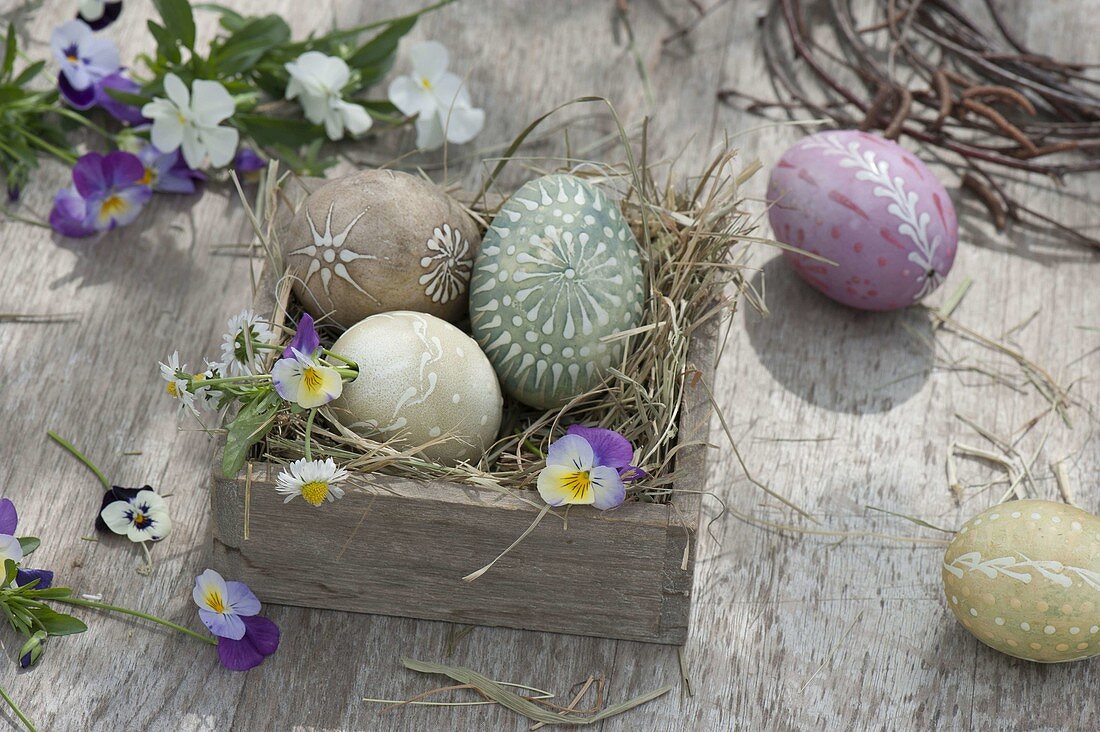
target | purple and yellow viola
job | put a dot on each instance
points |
(588, 466)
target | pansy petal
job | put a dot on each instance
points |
(177, 92)
(167, 133)
(10, 549)
(212, 103)
(207, 583)
(463, 124)
(552, 484)
(305, 338)
(100, 55)
(238, 655)
(356, 119)
(26, 576)
(77, 98)
(117, 516)
(88, 176)
(429, 131)
(329, 386)
(9, 517)
(408, 97)
(571, 451)
(222, 625)
(263, 633)
(220, 144)
(286, 376)
(429, 59)
(608, 446)
(241, 599)
(607, 487)
(121, 168)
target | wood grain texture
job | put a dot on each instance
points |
(789, 631)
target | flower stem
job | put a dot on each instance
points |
(338, 357)
(80, 456)
(232, 380)
(135, 613)
(309, 431)
(18, 712)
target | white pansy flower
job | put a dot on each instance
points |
(177, 387)
(316, 81)
(438, 99)
(314, 480)
(240, 357)
(190, 120)
(141, 518)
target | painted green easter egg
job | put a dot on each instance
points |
(558, 272)
(1024, 578)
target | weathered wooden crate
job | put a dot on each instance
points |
(400, 547)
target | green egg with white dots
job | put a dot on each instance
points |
(1024, 578)
(559, 273)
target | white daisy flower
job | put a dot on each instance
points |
(141, 518)
(177, 387)
(239, 356)
(207, 396)
(190, 120)
(316, 81)
(314, 480)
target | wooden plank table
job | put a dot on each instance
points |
(836, 409)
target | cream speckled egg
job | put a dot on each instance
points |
(420, 379)
(378, 241)
(1024, 578)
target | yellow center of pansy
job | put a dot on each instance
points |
(214, 601)
(148, 178)
(172, 389)
(315, 492)
(112, 205)
(425, 83)
(579, 484)
(140, 520)
(312, 379)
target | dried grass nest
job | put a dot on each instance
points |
(694, 237)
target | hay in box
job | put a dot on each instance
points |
(408, 530)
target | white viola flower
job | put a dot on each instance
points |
(190, 120)
(437, 97)
(85, 58)
(141, 518)
(306, 380)
(316, 81)
(177, 387)
(314, 480)
(240, 357)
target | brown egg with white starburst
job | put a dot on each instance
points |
(378, 241)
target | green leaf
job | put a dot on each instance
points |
(29, 73)
(231, 20)
(11, 46)
(10, 570)
(56, 623)
(250, 426)
(266, 130)
(29, 544)
(178, 19)
(383, 46)
(167, 44)
(248, 44)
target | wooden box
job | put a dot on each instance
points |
(396, 546)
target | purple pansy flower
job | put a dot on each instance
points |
(223, 605)
(85, 61)
(229, 610)
(167, 172)
(248, 164)
(10, 548)
(305, 341)
(112, 189)
(260, 639)
(121, 111)
(99, 14)
(69, 215)
(611, 449)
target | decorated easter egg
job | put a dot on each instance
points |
(559, 271)
(1024, 578)
(377, 241)
(868, 205)
(421, 380)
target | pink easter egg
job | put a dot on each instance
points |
(867, 204)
